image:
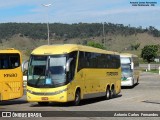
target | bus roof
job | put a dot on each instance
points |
(66, 48)
(9, 50)
(127, 55)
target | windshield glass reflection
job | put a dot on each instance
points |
(46, 71)
(126, 70)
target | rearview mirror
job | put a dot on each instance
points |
(132, 65)
(68, 64)
(25, 66)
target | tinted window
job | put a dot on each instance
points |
(97, 60)
(71, 73)
(9, 61)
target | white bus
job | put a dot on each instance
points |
(130, 69)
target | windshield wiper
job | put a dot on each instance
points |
(38, 79)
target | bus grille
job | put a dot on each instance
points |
(47, 93)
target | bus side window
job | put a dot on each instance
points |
(5, 64)
(14, 61)
(72, 65)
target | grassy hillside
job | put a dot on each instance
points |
(119, 43)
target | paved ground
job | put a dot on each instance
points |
(143, 97)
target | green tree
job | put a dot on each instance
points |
(149, 52)
(135, 46)
(96, 45)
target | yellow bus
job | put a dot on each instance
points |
(70, 72)
(130, 69)
(11, 83)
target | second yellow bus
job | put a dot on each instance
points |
(11, 81)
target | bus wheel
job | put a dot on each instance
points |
(108, 94)
(132, 83)
(43, 103)
(77, 98)
(112, 93)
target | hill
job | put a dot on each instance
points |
(27, 36)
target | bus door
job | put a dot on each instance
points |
(83, 73)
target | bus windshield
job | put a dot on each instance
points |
(47, 71)
(9, 61)
(126, 70)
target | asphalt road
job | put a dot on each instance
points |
(142, 97)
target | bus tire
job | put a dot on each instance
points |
(113, 93)
(77, 98)
(43, 103)
(108, 94)
(132, 83)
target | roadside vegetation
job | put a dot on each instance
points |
(116, 37)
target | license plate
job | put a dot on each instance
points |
(44, 98)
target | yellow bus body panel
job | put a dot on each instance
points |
(11, 80)
(66, 48)
(59, 94)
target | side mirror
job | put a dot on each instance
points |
(68, 64)
(25, 66)
(132, 65)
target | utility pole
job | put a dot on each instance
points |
(104, 40)
(47, 5)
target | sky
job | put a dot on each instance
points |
(85, 11)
